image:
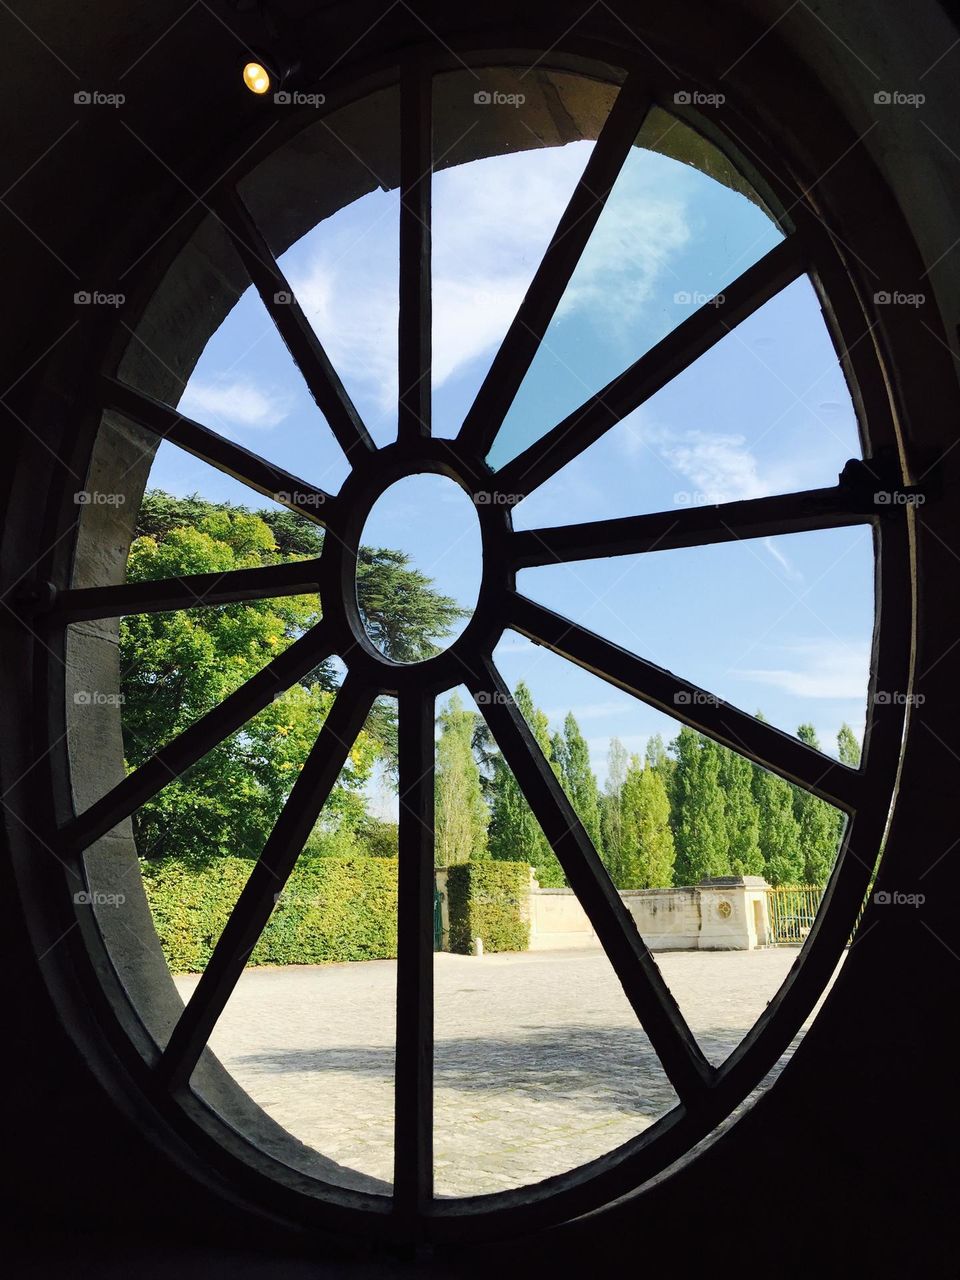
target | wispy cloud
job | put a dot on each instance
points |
(641, 229)
(711, 468)
(240, 402)
(492, 221)
(788, 567)
(819, 669)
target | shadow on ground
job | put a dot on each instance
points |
(600, 1067)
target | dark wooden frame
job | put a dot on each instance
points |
(706, 1094)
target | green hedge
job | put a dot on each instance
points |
(488, 900)
(332, 909)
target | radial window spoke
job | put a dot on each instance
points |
(614, 926)
(691, 527)
(766, 410)
(493, 216)
(269, 875)
(668, 240)
(579, 219)
(188, 592)
(194, 743)
(696, 707)
(416, 144)
(232, 459)
(413, 1175)
(285, 311)
(779, 625)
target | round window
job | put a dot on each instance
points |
(503, 319)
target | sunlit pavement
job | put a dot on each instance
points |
(539, 1062)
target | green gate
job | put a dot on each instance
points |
(437, 919)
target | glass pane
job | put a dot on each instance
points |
(509, 147)
(540, 1063)
(721, 864)
(225, 365)
(669, 238)
(780, 625)
(246, 387)
(765, 411)
(329, 206)
(309, 1031)
(420, 567)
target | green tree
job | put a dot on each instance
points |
(514, 833)
(660, 760)
(377, 837)
(572, 755)
(611, 809)
(848, 748)
(820, 824)
(700, 822)
(648, 846)
(778, 829)
(741, 814)
(461, 813)
(177, 666)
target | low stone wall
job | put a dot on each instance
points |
(667, 919)
(728, 914)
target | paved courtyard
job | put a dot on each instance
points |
(539, 1063)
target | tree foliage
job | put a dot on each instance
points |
(648, 848)
(461, 812)
(820, 825)
(177, 666)
(514, 834)
(572, 758)
(701, 830)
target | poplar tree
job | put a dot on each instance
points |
(741, 815)
(779, 831)
(700, 815)
(572, 754)
(820, 824)
(648, 846)
(514, 833)
(611, 809)
(848, 748)
(664, 765)
(461, 812)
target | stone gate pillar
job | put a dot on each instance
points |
(734, 914)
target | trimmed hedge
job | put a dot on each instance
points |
(332, 909)
(488, 900)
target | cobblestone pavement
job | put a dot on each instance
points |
(539, 1062)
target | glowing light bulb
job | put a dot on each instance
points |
(256, 77)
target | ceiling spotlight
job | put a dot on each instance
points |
(256, 77)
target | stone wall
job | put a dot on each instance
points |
(728, 914)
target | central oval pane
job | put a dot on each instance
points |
(419, 567)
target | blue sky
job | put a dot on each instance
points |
(780, 624)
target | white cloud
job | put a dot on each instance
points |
(821, 669)
(711, 468)
(492, 221)
(782, 560)
(469, 319)
(360, 337)
(639, 231)
(721, 468)
(240, 402)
